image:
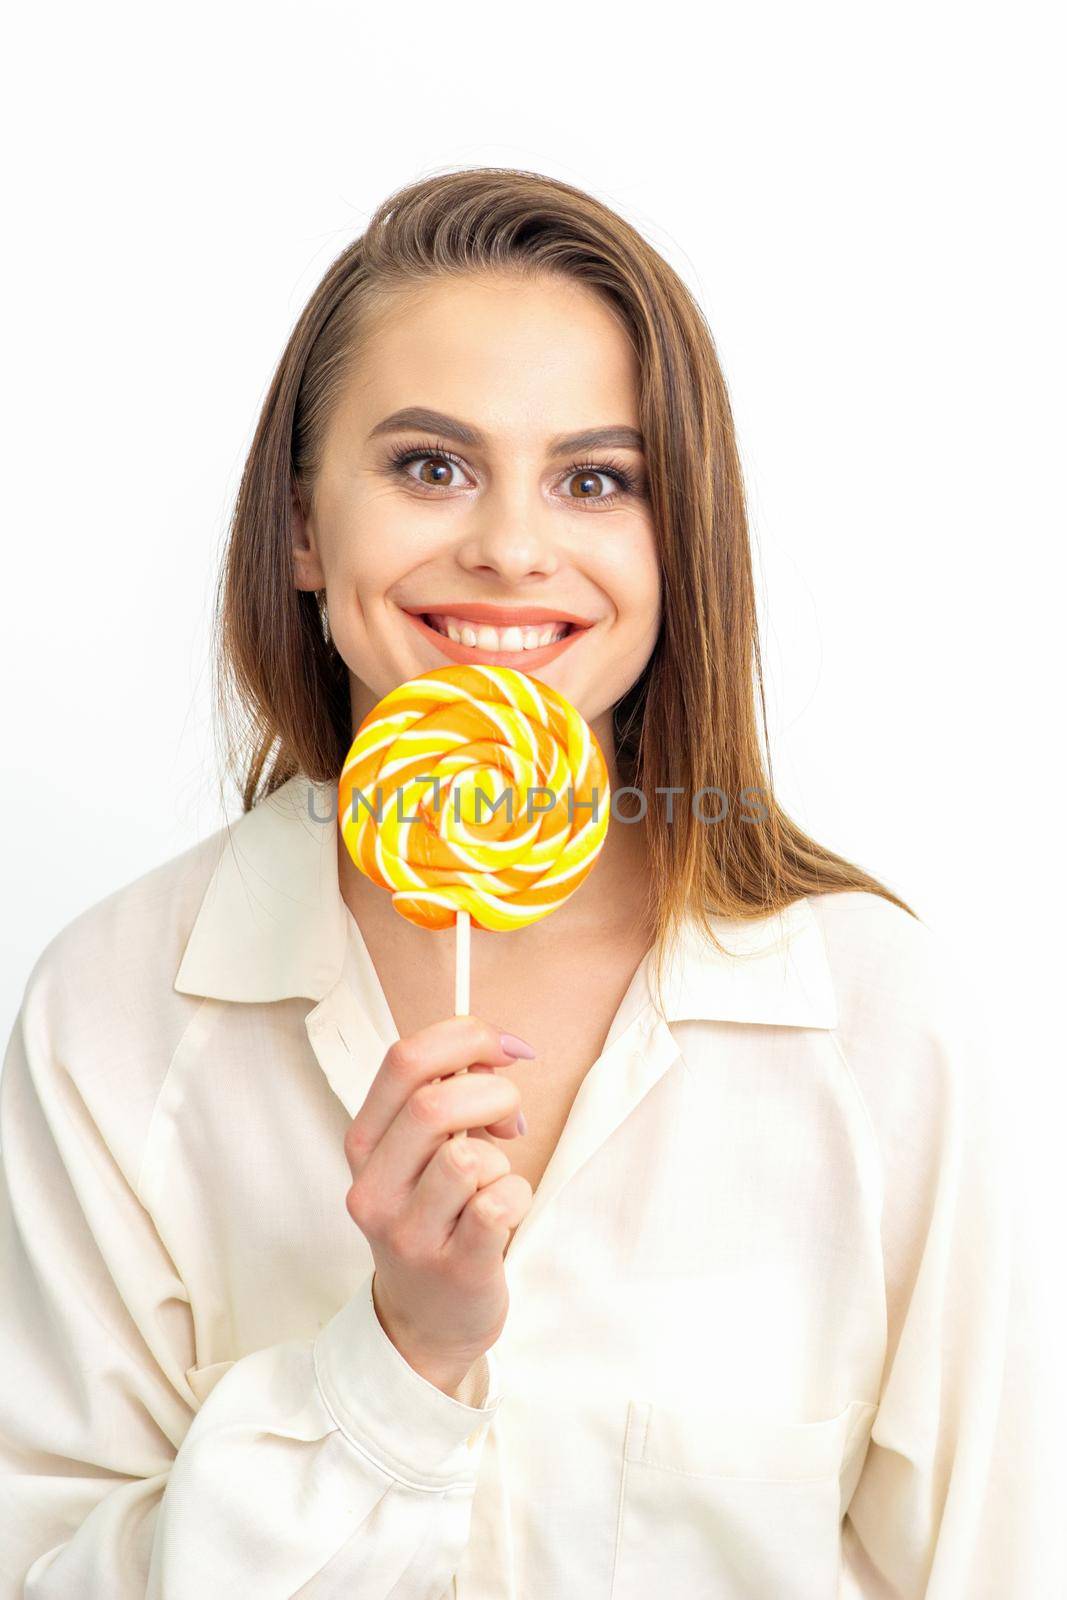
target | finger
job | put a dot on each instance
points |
(459, 1168)
(486, 1221)
(433, 1052)
(508, 1128)
(424, 1122)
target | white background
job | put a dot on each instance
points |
(867, 202)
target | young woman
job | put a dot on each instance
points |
(716, 1299)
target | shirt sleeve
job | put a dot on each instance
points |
(313, 1468)
(961, 1493)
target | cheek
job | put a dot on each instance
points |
(374, 553)
(650, 580)
(634, 585)
(650, 598)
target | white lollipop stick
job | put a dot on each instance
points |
(463, 979)
(463, 963)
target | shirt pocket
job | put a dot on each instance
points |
(735, 1508)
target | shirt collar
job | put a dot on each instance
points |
(272, 925)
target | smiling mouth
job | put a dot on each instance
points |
(524, 637)
(484, 636)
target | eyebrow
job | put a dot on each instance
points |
(420, 418)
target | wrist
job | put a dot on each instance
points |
(445, 1372)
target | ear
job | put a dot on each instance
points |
(307, 568)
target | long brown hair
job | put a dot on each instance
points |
(690, 722)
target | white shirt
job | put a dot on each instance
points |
(763, 1336)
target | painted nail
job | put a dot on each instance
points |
(521, 1122)
(516, 1047)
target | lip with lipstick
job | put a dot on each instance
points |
(525, 637)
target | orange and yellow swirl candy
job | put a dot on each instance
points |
(474, 792)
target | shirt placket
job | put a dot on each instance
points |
(349, 1049)
(613, 1087)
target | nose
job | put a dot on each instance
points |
(509, 537)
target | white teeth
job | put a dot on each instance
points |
(479, 636)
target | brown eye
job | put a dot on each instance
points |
(584, 485)
(435, 470)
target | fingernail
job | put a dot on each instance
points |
(516, 1047)
(521, 1122)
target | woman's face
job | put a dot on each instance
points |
(501, 537)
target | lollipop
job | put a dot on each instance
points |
(474, 795)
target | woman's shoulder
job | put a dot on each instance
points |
(99, 1019)
(884, 961)
(131, 940)
(912, 1026)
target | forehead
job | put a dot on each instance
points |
(513, 357)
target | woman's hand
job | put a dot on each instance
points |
(437, 1211)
